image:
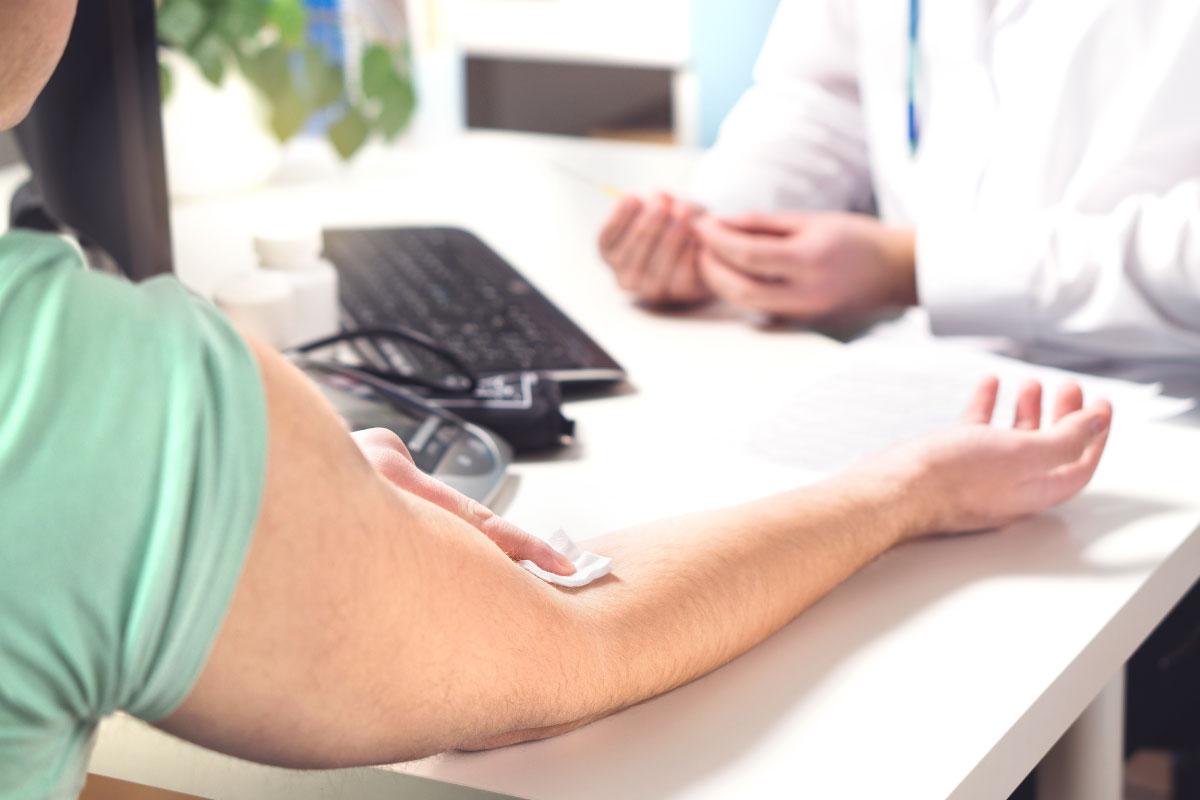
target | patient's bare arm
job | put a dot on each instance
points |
(373, 626)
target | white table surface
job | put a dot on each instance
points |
(947, 669)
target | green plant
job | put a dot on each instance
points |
(265, 41)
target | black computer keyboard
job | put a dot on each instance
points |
(450, 286)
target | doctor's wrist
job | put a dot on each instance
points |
(898, 246)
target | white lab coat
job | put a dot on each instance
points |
(1056, 191)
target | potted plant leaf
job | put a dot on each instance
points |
(263, 48)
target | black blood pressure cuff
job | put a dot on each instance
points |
(525, 409)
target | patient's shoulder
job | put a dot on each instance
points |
(26, 253)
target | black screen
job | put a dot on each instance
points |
(94, 140)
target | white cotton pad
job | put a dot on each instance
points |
(589, 567)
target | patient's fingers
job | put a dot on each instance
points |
(1068, 400)
(1029, 407)
(983, 404)
(516, 543)
(1068, 441)
(390, 458)
(1065, 481)
(382, 438)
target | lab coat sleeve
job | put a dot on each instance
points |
(1112, 268)
(796, 139)
(1125, 282)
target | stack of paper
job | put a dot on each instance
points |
(878, 392)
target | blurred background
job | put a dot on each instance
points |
(668, 70)
(662, 71)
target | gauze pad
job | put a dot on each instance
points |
(589, 567)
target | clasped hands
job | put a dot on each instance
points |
(806, 267)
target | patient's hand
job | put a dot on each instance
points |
(390, 458)
(976, 477)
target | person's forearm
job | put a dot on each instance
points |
(405, 630)
(688, 595)
(383, 608)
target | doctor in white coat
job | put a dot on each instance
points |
(1025, 169)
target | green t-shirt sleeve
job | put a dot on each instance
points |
(132, 460)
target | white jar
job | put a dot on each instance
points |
(260, 303)
(294, 253)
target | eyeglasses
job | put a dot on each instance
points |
(461, 381)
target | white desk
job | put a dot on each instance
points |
(945, 670)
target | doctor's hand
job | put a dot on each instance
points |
(652, 248)
(978, 477)
(808, 267)
(386, 452)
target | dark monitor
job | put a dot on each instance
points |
(94, 142)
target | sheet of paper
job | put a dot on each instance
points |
(877, 393)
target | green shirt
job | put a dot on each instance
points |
(132, 458)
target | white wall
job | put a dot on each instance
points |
(726, 38)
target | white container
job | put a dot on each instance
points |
(293, 252)
(260, 303)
